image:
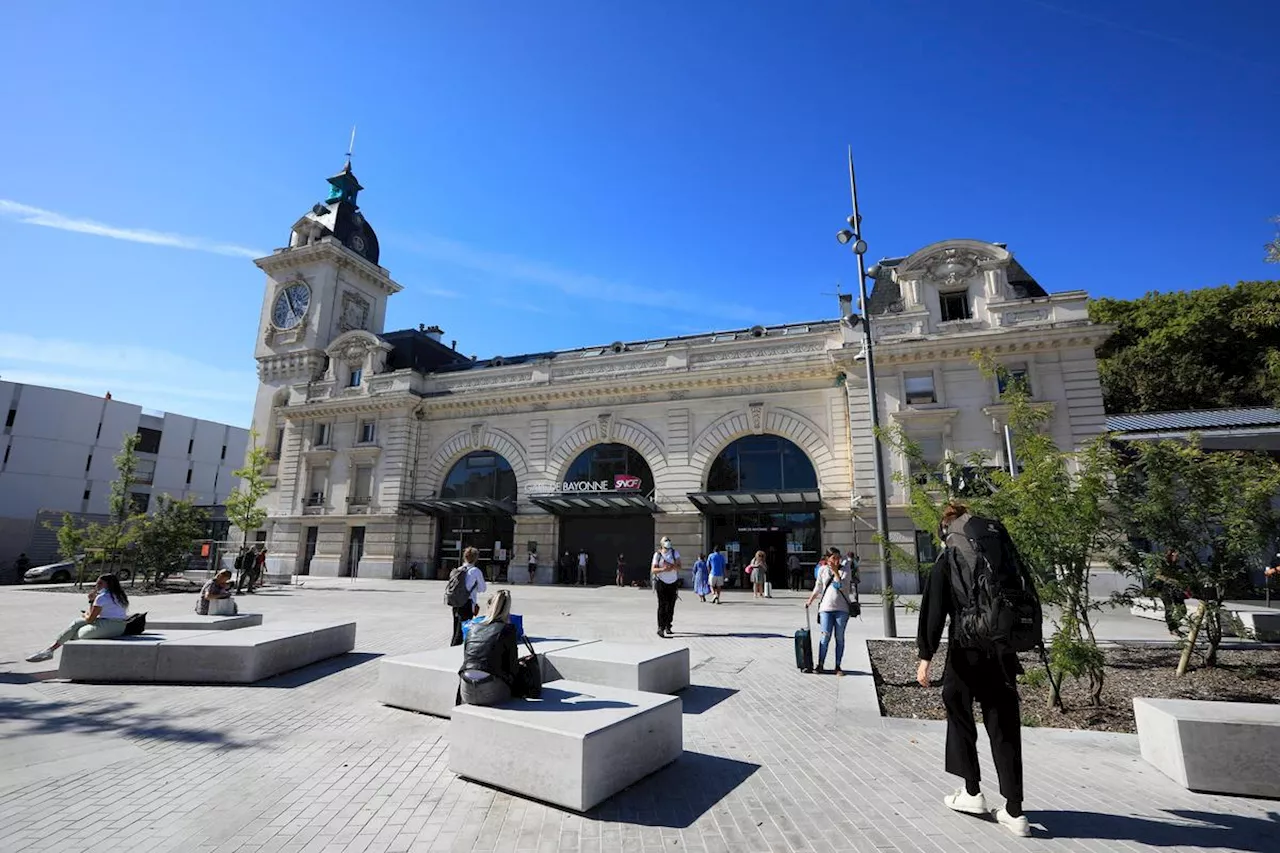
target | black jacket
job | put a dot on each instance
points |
(491, 647)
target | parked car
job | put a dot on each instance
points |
(65, 572)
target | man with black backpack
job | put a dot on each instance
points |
(462, 592)
(980, 582)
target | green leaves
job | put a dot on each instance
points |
(242, 504)
(166, 538)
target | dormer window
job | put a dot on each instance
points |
(353, 378)
(955, 305)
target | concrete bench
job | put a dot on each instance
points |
(1213, 747)
(427, 682)
(1260, 623)
(196, 622)
(575, 747)
(206, 657)
(651, 668)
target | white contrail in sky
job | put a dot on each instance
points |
(28, 215)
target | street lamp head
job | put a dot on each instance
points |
(875, 270)
(844, 236)
(854, 221)
(860, 247)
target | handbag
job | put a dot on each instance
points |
(855, 608)
(135, 624)
(528, 676)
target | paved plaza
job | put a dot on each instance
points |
(774, 760)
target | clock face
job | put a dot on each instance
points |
(291, 306)
(357, 243)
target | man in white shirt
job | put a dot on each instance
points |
(582, 567)
(473, 577)
(665, 570)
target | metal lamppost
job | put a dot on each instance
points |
(852, 237)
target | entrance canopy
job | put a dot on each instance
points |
(726, 503)
(603, 503)
(463, 506)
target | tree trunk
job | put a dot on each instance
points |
(1214, 629)
(1191, 639)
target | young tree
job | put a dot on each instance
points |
(120, 531)
(166, 538)
(1214, 508)
(243, 510)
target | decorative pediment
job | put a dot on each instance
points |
(359, 348)
(951, 262)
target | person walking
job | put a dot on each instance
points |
(259, 568)
(566, 568)
(972, 673)
(834, 609)
(103, 620)
(533, 566)
(462, 592)
(583, 559)
(793, 571)
(621, 578)
(490, 655)
(715, 573)
(759, 571)
(665, 571)
(701, 587)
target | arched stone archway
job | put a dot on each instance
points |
(479, 437)
(759, 419)
(603, 430)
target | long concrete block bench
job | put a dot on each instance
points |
(427, 682)
(242, 656)
(196, 622)
(575, 747)
(1259, 623)
(651, 668)
(1213, 747)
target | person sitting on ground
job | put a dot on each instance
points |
(104, 620)
(490, 655)
(216, 588)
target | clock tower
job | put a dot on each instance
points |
(324, 284)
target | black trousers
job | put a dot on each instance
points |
(969, 676)
(460, 615)
(667, 593)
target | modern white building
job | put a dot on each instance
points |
(391, 448)
(56, 455)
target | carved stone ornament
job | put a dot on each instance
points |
(477, 433)
(1033, 315)
(355, 312)
(756, 411)
(605, 422)
(953, 266)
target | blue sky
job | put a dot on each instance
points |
(547, 175)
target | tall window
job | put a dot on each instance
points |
(146, 471)
(368, 430)
(353, 379)
(322, 435)
(930, 461)
(482, 474)
(761, 463)
(319, 483)
(279, 441)
(955, 305)
(918, 388)
(1014, 375)
(603, 462)
(139, 501)
(362, 485)
(148, 440)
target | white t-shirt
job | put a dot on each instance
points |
(668, 559)
(582, 560)
(475, 583)
(533, 559)
(111, 609)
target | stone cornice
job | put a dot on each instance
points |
(995, 342)
(329, 249)
(303, 364)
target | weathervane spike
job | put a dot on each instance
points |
(351, 146)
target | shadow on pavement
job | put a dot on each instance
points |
(736, 635)
(1192, 829)
(678, 794)
(698, 698)
(316, 671)
(28, 717)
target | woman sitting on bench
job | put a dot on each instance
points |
(104, 620)
(217, 589)
(489, 655)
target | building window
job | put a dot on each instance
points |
(86, 494)
(918, 388)
(224, 452)
(145, 473)
(8, 421)
(955, 305)
(140, 501)
(368, 430)
(362, 485)
(354, 378)
(322, 435)
(188, 476)
(148, 440)
(928, 465)
(319, 483)
(926, 548)
(279, 441)
(480, 474)
(89, 463)
(1014, 375)
(7, 448)
(761, 463)
(191, 446)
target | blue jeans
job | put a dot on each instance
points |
(830, 620)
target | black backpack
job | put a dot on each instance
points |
(997, 608)
(456, 593)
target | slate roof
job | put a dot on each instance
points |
(1202, 419)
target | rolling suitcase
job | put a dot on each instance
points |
(804, 646)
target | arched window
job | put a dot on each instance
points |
(761, 463)
(482, 474)
(603, 462)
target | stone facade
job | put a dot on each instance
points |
(360, 438)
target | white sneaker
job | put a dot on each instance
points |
(1019, 825)
(40, 656)
(967, 803)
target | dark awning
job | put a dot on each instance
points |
(463, 506)
(574, 503)
(790, 500)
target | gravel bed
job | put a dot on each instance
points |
(1246, 675)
